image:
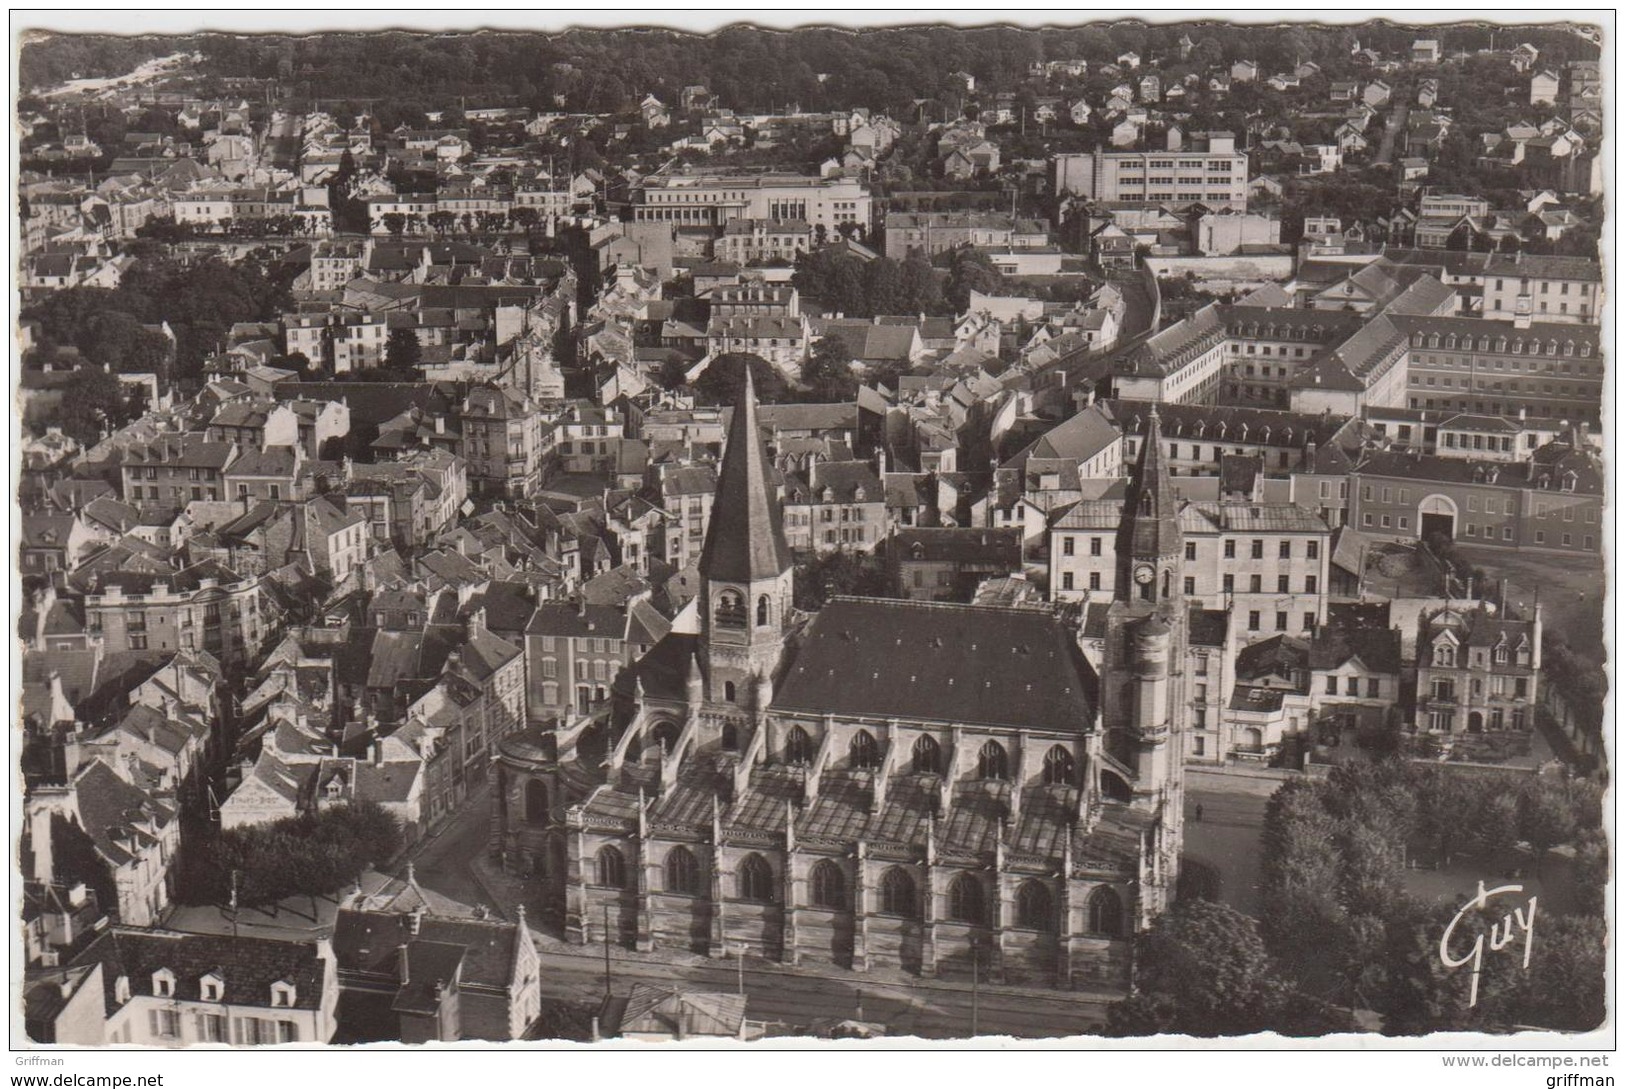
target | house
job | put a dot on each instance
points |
(948, 564)
(1377, 93)
(1344, 90)
(1524, 57)
(406, 974)
(659, 1014)
(1543, 88)
(1425, 51)
(1427, 93)
(1244, 71)
(1079, 111)
(1477, 671)
(163, 988)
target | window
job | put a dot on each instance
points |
(927, 755)
(166, 1024)
(828, 885)
(1252, 621)
(1068, 546)
(1229, 583)
(1190, 585)
(992, 762)
(755, 879)
(1066, 580)
(730, 609)
(611, 868)
(1444, 655)
(1308, 621)
(163, 983)
(763, 611)
(864, 751)
(1373, 687)
(212, 1029)
(1283, 584)
(1280, 621)
(1255, 584)
(1190, 550)
(798, 747)
(965, 899)
(897, 895)
(1230, 550)
(1059, 767)
(1331, 686)
(1094, 580)
(536, 807)
(1311, 584)
(1286, 550)
(1094, 546)
(682, 872)
(1105, 911)
(1258, 550)
(1035, 908)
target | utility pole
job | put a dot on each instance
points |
(740, 951)
(607, 990)
(234, 908)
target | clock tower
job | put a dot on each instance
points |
(1143, 703)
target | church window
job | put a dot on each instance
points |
(1035, 908)
(798, 747)
(897, 896)
(865, 751)
(992, 762)
(536, 806)
(755, 879)
(611, 868)
(1105, 911)
(763, 611)
(666, 735)
(682, 872)
(730, 609)
(927, 755)
(1059, 767)
(828, 885)
(965, 899)
(730, 737)
(730, 692)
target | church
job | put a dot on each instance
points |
(891, 784)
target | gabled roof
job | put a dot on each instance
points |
(247, 966)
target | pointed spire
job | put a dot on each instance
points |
(1150, 529)
(745, 540)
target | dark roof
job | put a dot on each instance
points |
(745, 539)
(1281, 654)
(959, 545)
(1377, 648)
(926, 660)
(248, 966)
(370, 941)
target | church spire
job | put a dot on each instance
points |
(745, 540)
(1149, 538)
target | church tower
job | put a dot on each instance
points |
(1143, 668)
(745, 570)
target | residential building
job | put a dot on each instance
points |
(1477, 671)
(948, 564)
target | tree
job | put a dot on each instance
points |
(832, 574)
(402, 350)
(922, 286)
(1202, 970)
(970, 270)
(1546, 816)
(720, 383)
(93, 402)
(395, 224)
(827, 372)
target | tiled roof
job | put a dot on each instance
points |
(248, 966)
(972, 664)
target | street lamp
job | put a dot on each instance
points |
(975, 985)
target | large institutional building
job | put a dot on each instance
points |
(887, 783)
(1209, 171)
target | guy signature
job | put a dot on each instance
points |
(1501, 933)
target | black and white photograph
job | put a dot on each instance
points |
(823, 533)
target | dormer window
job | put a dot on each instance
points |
(212, 987)
(283, 994)
(1501, 655)
(163, 983)
(1444, 655)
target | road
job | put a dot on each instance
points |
(1229, 836)
(1391, 131)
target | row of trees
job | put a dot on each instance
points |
(1343, 924)
(442, 224)
(313, 854)
(165, 229)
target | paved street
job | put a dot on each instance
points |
(1390, 133)
(1229, 836)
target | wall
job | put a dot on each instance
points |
(1221, 272)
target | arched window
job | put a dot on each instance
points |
(992, 762)
(729, 692)
(828, 885)
(763, 611)
(897, 896)
(1035, 909)
(798, 747)
(665, 735)
(682, 871)
(927, 755)
(1059, 767)
(611, 868)
(865, 751)
(1444, 654)
(730, 737)
(730, 609)
(1105, 912)
(965, 899)
(755, 879)
(536, 807)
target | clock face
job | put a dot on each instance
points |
(1143, 574)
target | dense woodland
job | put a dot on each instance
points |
(903, 70)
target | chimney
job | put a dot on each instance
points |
(406, 967)
(376, 751)
(39, 830)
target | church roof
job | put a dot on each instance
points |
(928, 660)
(1151, 512)
(745, 540)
